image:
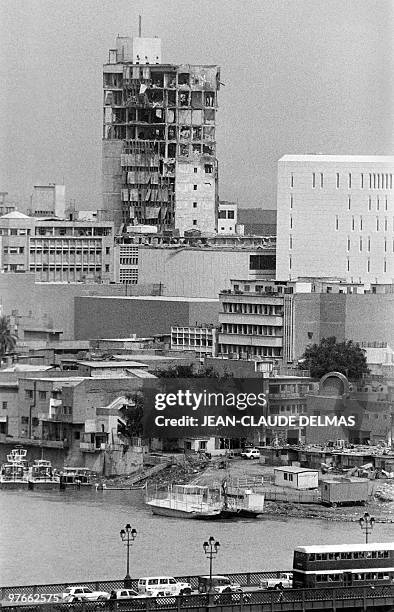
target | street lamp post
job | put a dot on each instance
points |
(127, 536)
(211, 550)
(366, 523)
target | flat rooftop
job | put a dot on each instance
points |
(348, 159)
(152, 298)
(112, 364)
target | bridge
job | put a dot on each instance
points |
(44, 598)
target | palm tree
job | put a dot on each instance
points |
(7, 337)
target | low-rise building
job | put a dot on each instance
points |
(296, 477)
(201, 340)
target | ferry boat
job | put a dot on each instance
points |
(14, 473)
(77, 477)
(186, 501)
(43, 476)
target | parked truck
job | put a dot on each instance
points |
(284, 580)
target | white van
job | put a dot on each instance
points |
(152, 584)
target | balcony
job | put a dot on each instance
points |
(249, 340)
(250, 318)
(91, 447)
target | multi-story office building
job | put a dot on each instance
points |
(159, 143)
(336, 217)
(57, 250)
(252, 320)
(48, 200)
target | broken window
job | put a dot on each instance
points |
(171, 115)
(196, 148)
(158, 115)
(155, 96)
(184, 132)
(208, 149)
(208, 168)
(170, 80)
(196, 133)
(209, 98)
(157, 79)
(171, 98)
(196, 99)
(209, 116)
(185, 117)
(183, 98)
(184, 150)
(209, 134)
(183, 78)
(197, 117)
(172, 132)
(172, 150)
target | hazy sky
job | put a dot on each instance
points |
(301, 76)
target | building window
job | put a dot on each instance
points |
(361, 223)
(350, 180)
(195, 206)
(195, 170)
(107, 267)
(385, 245)
(313, 180)
(336, 222)
(321, 179)
(291, 201)
(107, 250)
(208, 168)
(4, 405)
(337, 180)
(349, 202)
(292, 180)
(42, 395)
(290, 262)
(28, 394)
(385, 202)
(361, 244)
(353, 223)
(194, 221)
(195, 187)
(290, 242)
(362, 181)
(385, 224)
(291, 222)
(368, 265)
(369, 203)
(369, 244)
(377, 203)
(348, 264)
(230, 214)
(385, 266)
(377, 224)
(348, 243)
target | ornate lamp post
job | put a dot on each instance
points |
(211, 550)
(127, 536)
(366, 523)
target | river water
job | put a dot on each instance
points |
(73, 536)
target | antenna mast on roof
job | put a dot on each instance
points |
(139, 25)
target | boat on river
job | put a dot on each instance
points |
(43, 476)
(77, 477)
(14, 473)
(185, 501)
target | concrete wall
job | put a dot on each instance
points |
(121, 317)
(193, 272)
(359, 318)
(53, 301)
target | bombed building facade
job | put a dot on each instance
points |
(159, 149)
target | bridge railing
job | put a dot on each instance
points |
(244, 579)
(300, 599)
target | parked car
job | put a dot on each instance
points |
(83, 593)
(154, 584)
(123, 594)
(250, 453)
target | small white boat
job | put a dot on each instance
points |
(186, 501)
(14, 473)
(43, 476)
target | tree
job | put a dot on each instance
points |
(331, 356)
(132, 415)
(7, 338)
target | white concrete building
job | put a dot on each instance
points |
(296, 477)
(48, 200)
(228, 218)
(336, 217)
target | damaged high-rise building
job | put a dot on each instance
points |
(159, 145)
